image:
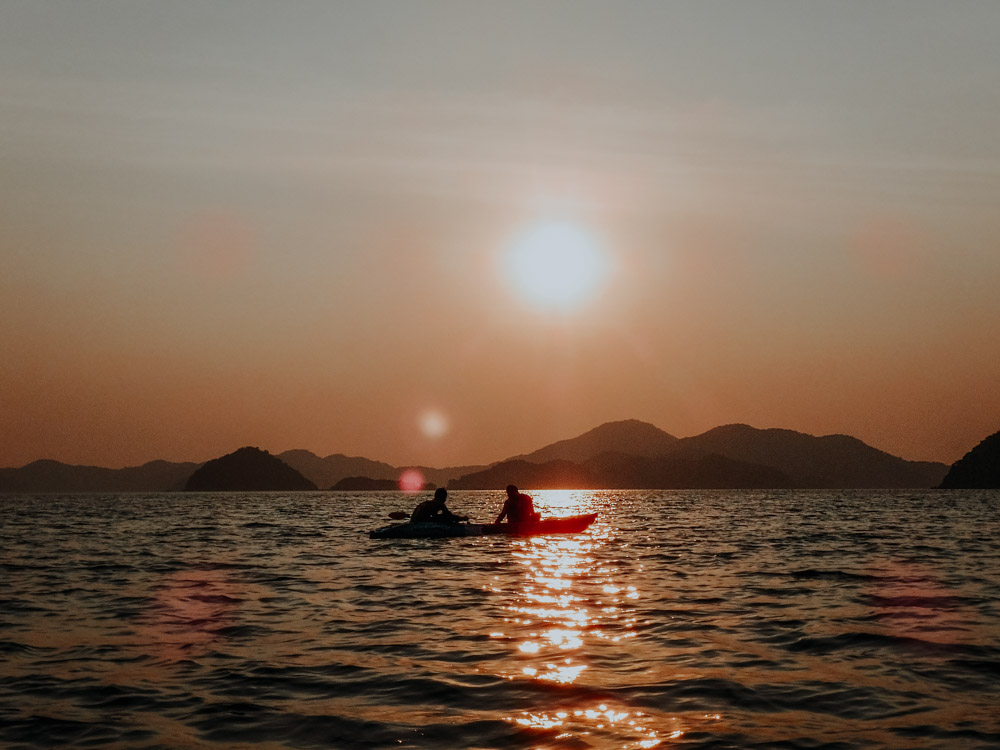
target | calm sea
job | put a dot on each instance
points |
(681, 619)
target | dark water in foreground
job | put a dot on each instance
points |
(687, 619)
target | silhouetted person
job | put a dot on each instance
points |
(435, 511)
(518, 507)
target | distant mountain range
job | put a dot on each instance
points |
(52, 476)
(628, 454)
(633, 454)
(622, 471)
(326, 472)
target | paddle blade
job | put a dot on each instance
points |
(399, 515)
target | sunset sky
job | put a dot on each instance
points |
(449, 232)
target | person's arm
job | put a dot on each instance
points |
(503, 511)
(446, 516)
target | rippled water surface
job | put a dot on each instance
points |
(688, 619)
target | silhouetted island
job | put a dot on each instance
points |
(977, 469)
(247, 469)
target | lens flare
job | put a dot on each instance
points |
(189, 607)
(411, 481)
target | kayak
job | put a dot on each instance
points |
(566, 525)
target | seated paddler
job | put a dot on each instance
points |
(518, 508)
(435, 510)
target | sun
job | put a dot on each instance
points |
(556, 265)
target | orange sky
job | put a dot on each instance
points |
(243, 224)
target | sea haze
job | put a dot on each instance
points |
(824, 619)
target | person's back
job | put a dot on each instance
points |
(434, 510)
(524, 508)
(424, 512)
(518, 508)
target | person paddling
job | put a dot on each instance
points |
(518, 507)
(435, 510)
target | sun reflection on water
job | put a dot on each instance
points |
(568, 607)
(563, 502)
(601, 717)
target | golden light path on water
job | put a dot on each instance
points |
(568, 607)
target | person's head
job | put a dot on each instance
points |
(440, 495)
(511, 490)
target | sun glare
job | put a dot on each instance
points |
(556, 265)
(433, 424)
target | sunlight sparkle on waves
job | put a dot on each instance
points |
(569, 596)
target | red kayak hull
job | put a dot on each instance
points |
(565, 525)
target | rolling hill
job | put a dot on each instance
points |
(248, 469)
(831, 461)
(631, 437)
(977, 469)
